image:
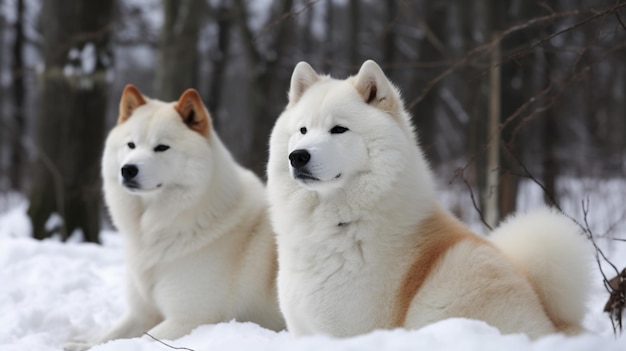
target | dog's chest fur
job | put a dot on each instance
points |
(343, 277)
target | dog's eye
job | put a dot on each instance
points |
(303, 130)
(161, 148)
(338, 130)
(131, 145)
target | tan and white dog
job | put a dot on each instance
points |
(199, 245)
(363, 243)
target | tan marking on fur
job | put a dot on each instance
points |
(274, 268)
(370, 95)
(436, 235)
(192, 111)
(131, 100)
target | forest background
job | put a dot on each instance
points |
(506, 95)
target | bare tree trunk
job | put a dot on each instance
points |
(389, 40)
(549, 160)
(514, 96)
(329, 38)
(264, 100)
(504, 190)
(19, 121)
(70, 124)
(4, 133)
(429, 51)
(224, 17)
(354, 54)
(306, 36)
(480, 137)
(550, 139)
(178, 61)
(493, 135)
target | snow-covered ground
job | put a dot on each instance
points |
(51, 292)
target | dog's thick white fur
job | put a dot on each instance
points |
(363, 243)
(198, 240)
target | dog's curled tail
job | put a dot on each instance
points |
(552, 251)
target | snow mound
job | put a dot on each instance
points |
(51, 292)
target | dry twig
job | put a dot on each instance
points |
(168, 345)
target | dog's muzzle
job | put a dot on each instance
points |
(299, 158)
(129, 173)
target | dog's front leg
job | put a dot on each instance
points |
(171, 329)
(130, 326)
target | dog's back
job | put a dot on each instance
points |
(467, 276)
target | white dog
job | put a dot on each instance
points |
(199, 244)
(363, 243)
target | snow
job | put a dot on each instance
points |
(51, 292)
(73, 54)
(259, 14)
(81, 62)
(88, 59)
(53, 222)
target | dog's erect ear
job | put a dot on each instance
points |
(374, 86)
(302, 78)
(192, 111)
(131, 99)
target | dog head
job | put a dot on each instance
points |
(332, 130)
(155, 144)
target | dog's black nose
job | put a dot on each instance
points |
(299, 158)
(129, 172)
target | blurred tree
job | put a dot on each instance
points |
(223, 15)
(4, 134)
(19, 119)
(436, 52)
(265, 103)
(517, 88)
(328, 54)
(514, 85)
(389, 37)
(354, 54)
(485, 13)
(305, 34)
(178, 55)
(431, 49)
(65, 193)
(549, 160)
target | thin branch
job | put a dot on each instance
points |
(537, 111)
(168, 345)
(248, 38)
(599, 254)
(474, 202)
(286, 15)
(616, 314)
(619, 18)
(568, 29)
(530, 176)
(585, 228)
(564, 84)
(479, 51)
(82, 38)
